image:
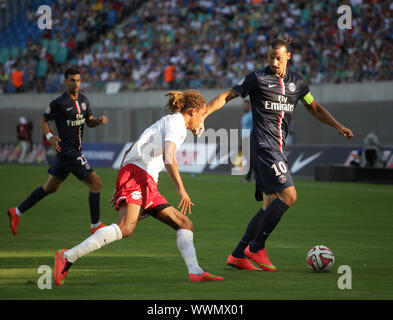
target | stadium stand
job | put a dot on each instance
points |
(211, 43)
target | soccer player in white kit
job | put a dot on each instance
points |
(136, 194)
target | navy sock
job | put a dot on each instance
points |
(267, 223)
(248, 235)
(37, 195)
(94, 204)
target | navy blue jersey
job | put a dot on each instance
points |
(70, 116)
(273, 100)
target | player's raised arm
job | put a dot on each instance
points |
(173, 172)
(219, 101)
(324, 116)
(54, 140)
(214, 105)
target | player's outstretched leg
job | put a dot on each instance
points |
(65, 258)
(185, 243)
(128, 217)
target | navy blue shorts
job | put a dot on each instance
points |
(67, 162)
(271, 172)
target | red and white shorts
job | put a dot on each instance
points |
(135, 185)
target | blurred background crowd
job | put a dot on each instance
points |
(147, 45)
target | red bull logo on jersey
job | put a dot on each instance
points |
(280, 105)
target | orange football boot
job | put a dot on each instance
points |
(61, 267)
(241, 263)
(206, 276)
(14, 219)
(260, 258)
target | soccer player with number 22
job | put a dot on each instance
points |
(70, 112)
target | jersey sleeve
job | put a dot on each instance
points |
(305, 96)
(175, 132)
(245, 85)
(51, 111)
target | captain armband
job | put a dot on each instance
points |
(307, 99)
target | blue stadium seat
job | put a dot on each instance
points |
(45, 43)
(53, 43)
(14, 51)
(42, 68)
(61, 55)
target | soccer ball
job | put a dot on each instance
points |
(320, 259)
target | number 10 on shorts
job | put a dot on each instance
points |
(280, 169)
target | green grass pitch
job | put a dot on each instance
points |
(354, 220)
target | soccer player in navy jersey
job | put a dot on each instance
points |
(70, 112)
(274, 92)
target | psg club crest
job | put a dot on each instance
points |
(292, 87)
(83, 105)
(282, 179)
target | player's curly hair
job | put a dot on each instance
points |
(179, 101)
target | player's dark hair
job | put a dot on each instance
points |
(179, 101)
(280, 42)
(71, 72)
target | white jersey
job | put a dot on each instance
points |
(147, 151)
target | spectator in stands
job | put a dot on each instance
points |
(81, 37)
(51, 81)
(30, 14)
(71, 46)
(214, 42)
(98, 5)
(29, 74)
(17, 77)
(8, 65)
(4, 78)
(170, 75)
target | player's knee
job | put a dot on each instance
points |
(291, 199)
(126, 231)
(96, 186)
(289, 196)
(51, 188)
(186, 224)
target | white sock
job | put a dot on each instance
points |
(185, 244)
(100, 238)
(95, 225)
(18, 212)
